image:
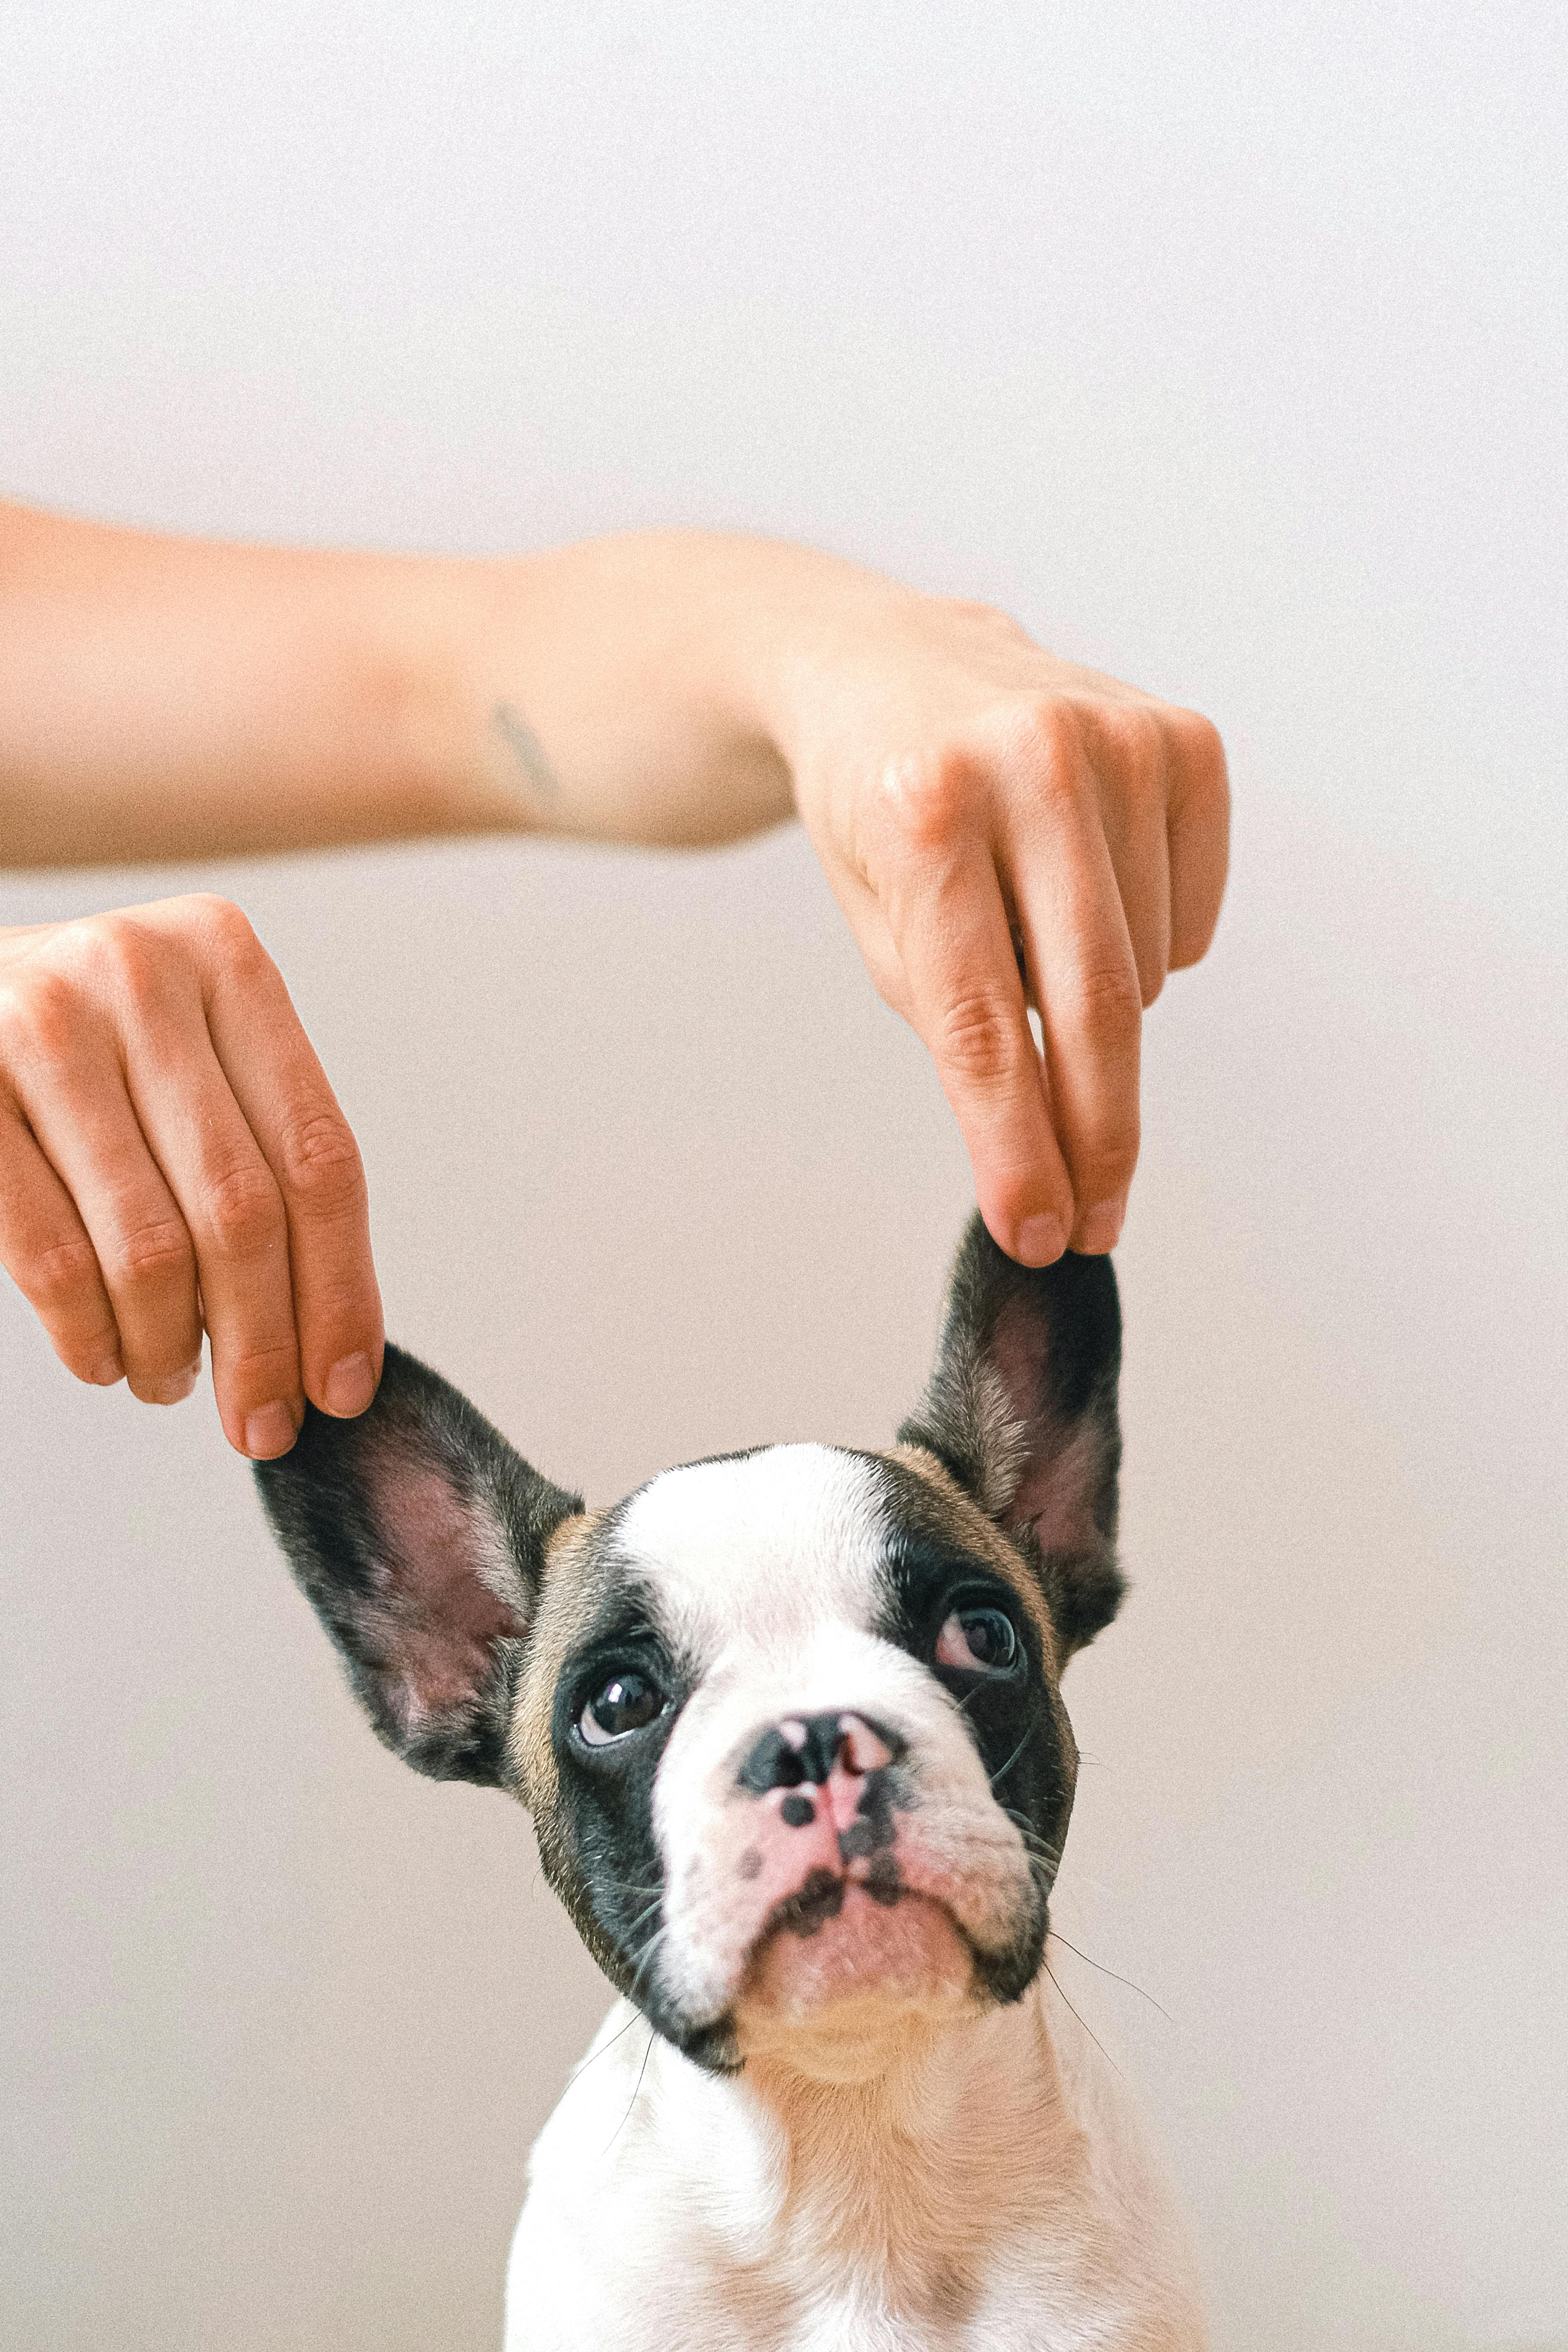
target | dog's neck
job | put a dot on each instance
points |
(906, 2153)
(984, 2185)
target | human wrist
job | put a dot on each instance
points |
(807, 621)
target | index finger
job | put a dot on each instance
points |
(282, 1089)
(1080, 956)
(961, 965)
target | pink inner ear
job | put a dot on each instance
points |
(1059, 1473)
(1057, 1491)
(1017, 1355)
(443, 1558)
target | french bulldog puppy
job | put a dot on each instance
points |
(790, 1726)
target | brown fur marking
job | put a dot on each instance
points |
(976, 1533)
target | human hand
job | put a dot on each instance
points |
(1007, 829)
(173, 1157)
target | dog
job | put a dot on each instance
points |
(789, 1723)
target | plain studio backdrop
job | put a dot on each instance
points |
(1224, 346)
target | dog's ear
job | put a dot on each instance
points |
(1022, 1410)
(418, 1535)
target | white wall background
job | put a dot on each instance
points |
(1222, 344)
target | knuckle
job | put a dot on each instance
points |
(132, 959)
(59, 1272)
(241, 1213)
(321, 1163)
(224, 932)
(1109, 1003)
(923, 799)
(1201, 733)
(256, 1374)
(978, 1038)
(1141, 749)
(40, 1014)
(1048, 738)
(151, 1252)
(117, 932)
(219, 917)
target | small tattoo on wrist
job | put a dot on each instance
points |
(526, 749)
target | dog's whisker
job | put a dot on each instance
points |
(1057, 1938)
(646, 1954)
(1087, 2029)
(634, 1931)
(636, 2094)
(1025, 1827)
(643, 1894)
(1051, 1849)
(1002, 1771)
(578, 2072)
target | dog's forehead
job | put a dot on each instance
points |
(759, 1544)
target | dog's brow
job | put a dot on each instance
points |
(915, 1558)
(631, 1623)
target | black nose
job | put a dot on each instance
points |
(806, 1747)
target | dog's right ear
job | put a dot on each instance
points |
(418, 1535)
(1021, 1408)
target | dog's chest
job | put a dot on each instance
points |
(677, 2213)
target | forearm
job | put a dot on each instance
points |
(163, 698)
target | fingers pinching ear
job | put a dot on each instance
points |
(968, 1006)
(309, 1148)
(1090, 1001)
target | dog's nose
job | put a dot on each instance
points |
(807, 1747)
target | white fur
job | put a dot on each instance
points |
(759, 1548)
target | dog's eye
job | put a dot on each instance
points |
(978, 1641)
(628, 1702)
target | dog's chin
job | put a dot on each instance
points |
(868, 1968)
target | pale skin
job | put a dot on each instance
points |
(1002, 829)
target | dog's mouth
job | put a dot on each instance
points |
(858, 1935)
(821, 1897)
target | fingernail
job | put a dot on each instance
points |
(351, 1384)
(176, 1390)
(1102, 1227)
(106, 1371)
(270, 1431)
(1041, 1240)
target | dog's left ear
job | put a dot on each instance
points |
(1021, 1409)
(418, 1535)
